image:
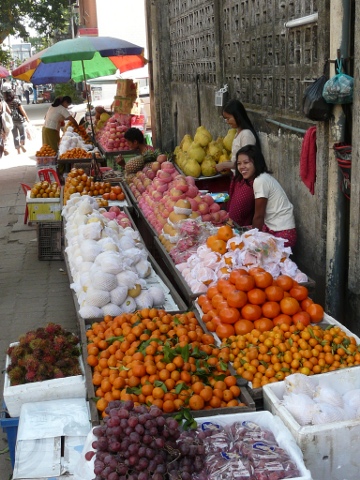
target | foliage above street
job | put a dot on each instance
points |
(45, 16)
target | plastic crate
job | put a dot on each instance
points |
(9, 426)
(49, 236)
(45, 161)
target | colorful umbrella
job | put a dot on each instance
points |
(3, 72)
(80, 59)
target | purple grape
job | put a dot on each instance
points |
(143, 476)
(117, 431)
(134, 437)
(152, 466)
(149, 424)
(102, 444)
(184, 476)
(160, 442)
(172, 423)
(128, 430)
(89, 455)
(113, 476)
(142, 419)
(133, 421)
(123, 423)
(147, 439)
(139, 429)
(140, 409)
(133, 448)
(115, 447)
(161, 468)
(160, 421)
(133, 460)
(157, 476)
(128, 405)
(142, 451)
(123, 413)
(150, 453)
(143, 463)
(98, 469)
(184, 448)
(122, 469)
(99, 431)
(155, 411)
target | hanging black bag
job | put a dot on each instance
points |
(314, 105)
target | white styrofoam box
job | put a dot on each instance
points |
(276, 426)
(330, 450)
(68, 387)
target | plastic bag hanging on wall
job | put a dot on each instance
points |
(314, 105)
(340, 88)
(221, 96)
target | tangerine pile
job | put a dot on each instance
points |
(267, 357)
(217, 243)
(46, 151)
(75, 153)
(155, 358)
(45, 189)
(116, 193)
(253, 299)
(78, 181)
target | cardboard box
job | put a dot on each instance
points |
(50, 439)
(123, 104)
(276, 426)
(126, 88)
(43, 209)
(330, 450)
(59, 388)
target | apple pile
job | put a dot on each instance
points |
(158, 197)
(114, 213)
(111, 137)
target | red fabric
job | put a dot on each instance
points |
(308, 159)
(289, 235)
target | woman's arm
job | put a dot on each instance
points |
(72, 120)
(224, 166)
(23, 113)
(259, 215)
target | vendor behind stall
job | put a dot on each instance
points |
(136, 141)
(57, 113)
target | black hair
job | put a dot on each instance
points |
(237, 110)
(134, 134)
(255, 154)
(9, 95)
(59, 101)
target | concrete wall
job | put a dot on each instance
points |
(197, 46)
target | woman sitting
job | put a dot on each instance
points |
(273, 211)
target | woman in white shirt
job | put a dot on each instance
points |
(235, 115)
(58, 112)
(273, 210)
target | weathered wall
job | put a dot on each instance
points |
(200, 45)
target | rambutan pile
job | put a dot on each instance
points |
(44, 354)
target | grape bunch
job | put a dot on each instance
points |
(139, 443)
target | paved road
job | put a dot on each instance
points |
(32, 292)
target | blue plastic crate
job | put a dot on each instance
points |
(10, 427)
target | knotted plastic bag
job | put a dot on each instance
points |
(340, 88)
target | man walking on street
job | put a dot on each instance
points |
(27, 87)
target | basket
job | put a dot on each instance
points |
(46, 161)
(343, 154)
(49, 236)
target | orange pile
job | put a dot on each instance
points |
(116, 193)
(254, 299)
(155, 358)
(217, 242)
(78, 181)
(46, 151)
(267, 357)
(75, 153)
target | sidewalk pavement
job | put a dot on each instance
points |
(32, 292)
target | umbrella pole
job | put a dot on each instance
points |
(89, 103)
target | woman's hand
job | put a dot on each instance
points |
(220, 167)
